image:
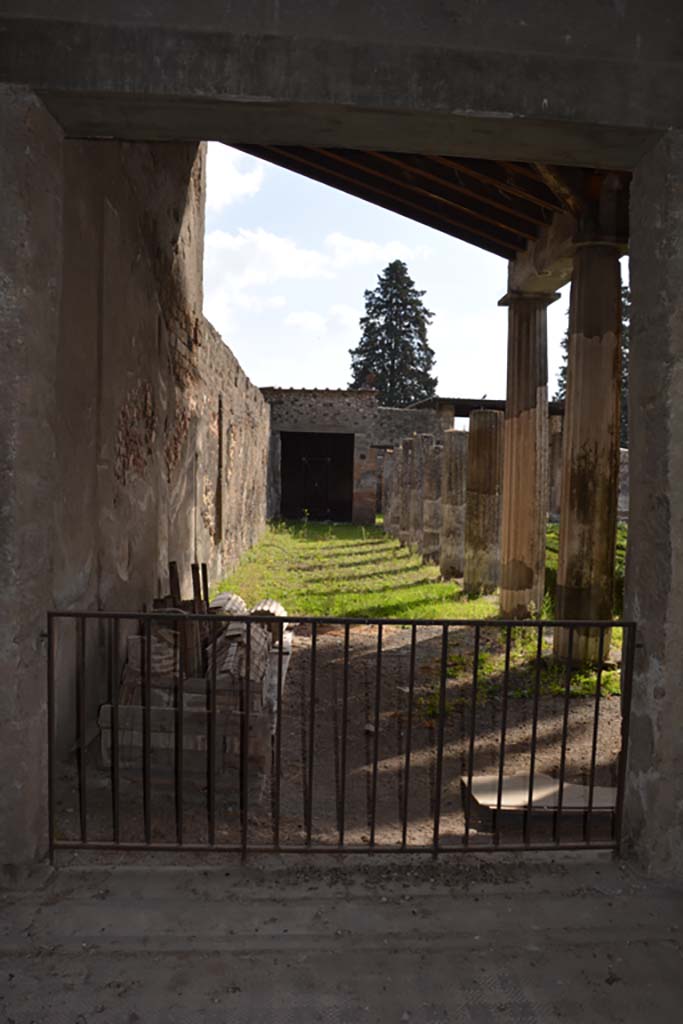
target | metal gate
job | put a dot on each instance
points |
(244, 733)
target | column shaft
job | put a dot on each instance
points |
(483, 511)
(453, 502)
(431, 515)
(590, 461)
(525, 464)
(422, 443)
(404, 497)
(388, 481)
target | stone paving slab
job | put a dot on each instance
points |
(469, 940)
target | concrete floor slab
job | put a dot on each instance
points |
(468, 939)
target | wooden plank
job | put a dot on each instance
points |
(174, 583)
(205, 585)
(196, 589)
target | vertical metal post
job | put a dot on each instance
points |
(628, 658)
(375, 738)
(51, 738)
(82, 727)
(311, 736)
(441, 726)
(588, 818)
(278, 737)
(147, 733)
(409, 735)
(180, 739)
(503, 735)
(212, 734)
(115, 754)
(473, 727)
(565, 730)
(344, 737)
(244, 759)
(534, 734)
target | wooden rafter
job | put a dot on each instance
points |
(304, 161)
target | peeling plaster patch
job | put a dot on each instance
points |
(136, 433)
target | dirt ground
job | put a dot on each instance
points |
(291, 940)
(331, 758)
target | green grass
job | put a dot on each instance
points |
(343, 570)
(360, 572)
(524, 675)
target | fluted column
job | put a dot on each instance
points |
(590, 463)
(388, 482)
(403, 511)
(525, 459)
(483, 511)
(431, 504)
(453, 501)
(422, 444)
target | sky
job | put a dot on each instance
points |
(287, 261)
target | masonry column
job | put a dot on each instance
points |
(654, 573)
(483, 511)
(388, 476)
(525, 461)
(404, 502)
(453, 502)
(554, 466)
(590, 460)
(421, 446)
(431, 504)
(30, 274)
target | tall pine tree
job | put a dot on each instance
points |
(561, 388)
(393, 355)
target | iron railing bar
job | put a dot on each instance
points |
(473, 725)
(244, 746)
(375, 738)
(308, 818)
(409, 735)
(114, 750)
(534, 737)
(82, 726)
(588, 818)
(557, 824)
(147, 731)
(213, 684)
(383, 850)
(627, 665)
(161, 615)
(503, 735)
(344, 737)
(180, 742)
(51, 738)
(278, 738)
(439, 749)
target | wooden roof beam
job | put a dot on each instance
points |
(499, 246)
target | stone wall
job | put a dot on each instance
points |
(318, 410)
(161, 440)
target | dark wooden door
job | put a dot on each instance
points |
(317, 476)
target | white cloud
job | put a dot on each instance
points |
(306, 321)
(230, 176)
(344, 252)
